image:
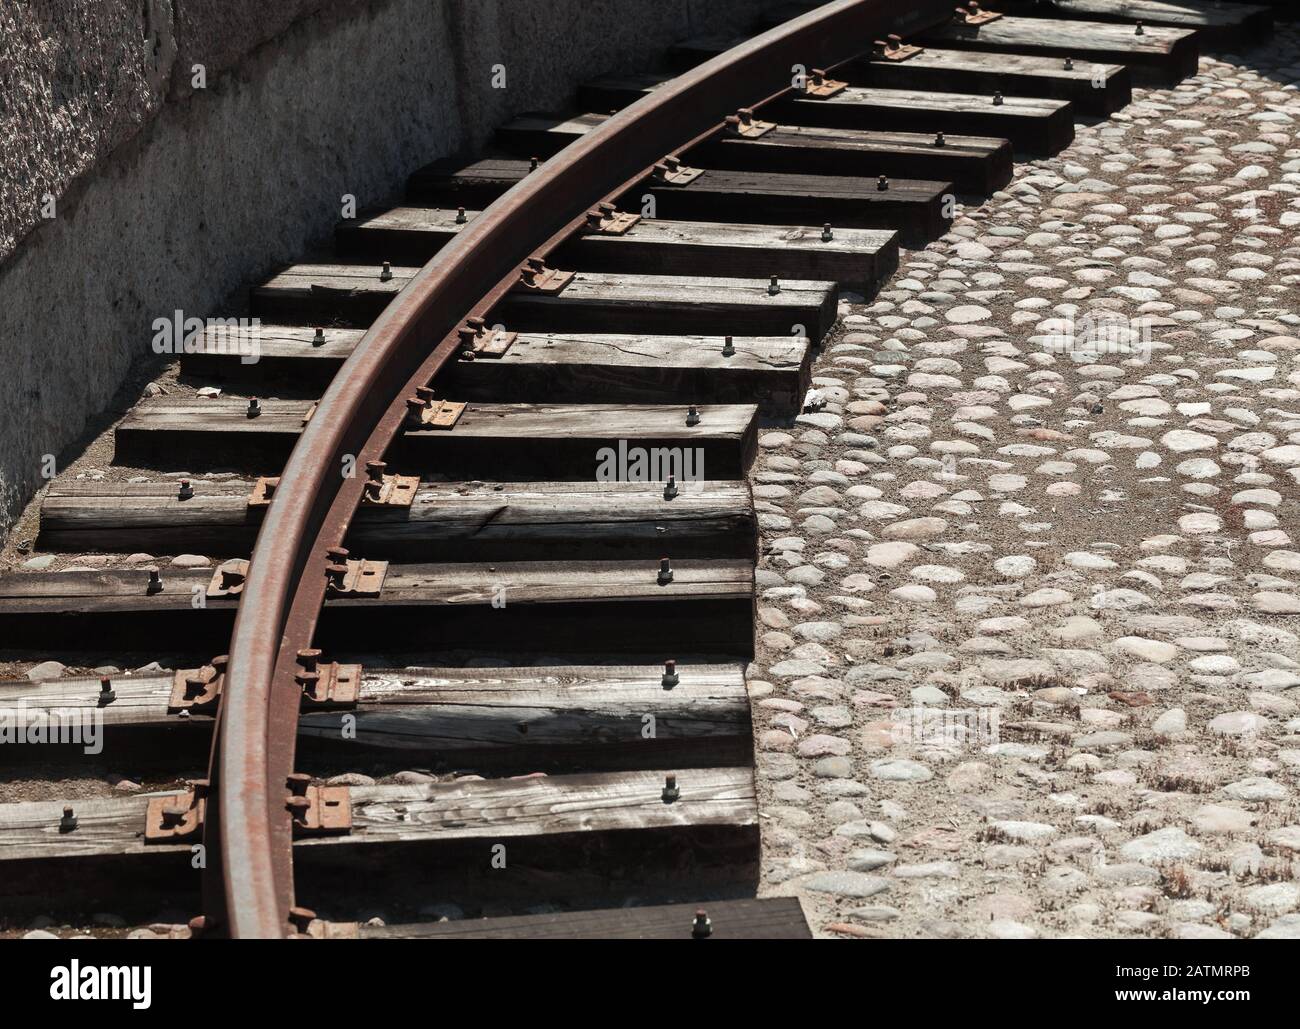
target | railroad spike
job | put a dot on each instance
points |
(301, 918)
(665, 571)
(671, 792)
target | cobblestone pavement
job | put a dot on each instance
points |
(1029, 648)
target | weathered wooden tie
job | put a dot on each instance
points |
(1155, 56)
(702, 607)
(857, 258)
(567, 718)
(772, 371)
(774, 918)
(532, 442)
(1039, 125)
(1218, 24)
(563, 837)
(973, 164)
(1032, 124)
(445, 521)
(355, 294)
(1092, 87)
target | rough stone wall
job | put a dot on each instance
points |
(166, 196)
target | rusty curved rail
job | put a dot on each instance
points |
(248, 882)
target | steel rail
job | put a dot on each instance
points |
(248, 878)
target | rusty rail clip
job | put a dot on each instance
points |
(892, 48)
(318, 810)
(327, 686)
(263, 490)
(671, 172)
(743, 123)
(971, 14)
(228, 578)
(382, 490)
(177, 819)
(197, 690)
(818, 86)
(354, 578)
(476, 340)
(536, 276)
(608, 220)
(424, 412)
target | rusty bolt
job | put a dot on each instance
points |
(460, 216)
(728, 347)
(1069, 64)
(297, 783)
(671, 792)
(939, 140)
(68, 823)
(298, 808)
(334, 574)
(415, 410)
(1139, 30)
(174, 812)
(670, 490)
(701, 928)
(533, 163)
(155, 582)
(186, 491)
(386, 272)
(773, 286)
(998, 100)
(309, 658)
(665, 571)
(882, 183)
(254, 407)
(106, 692)
(692, 415)
(827, 234)
(301, 918)
(670, 678)
(219, 663)
(318, 340)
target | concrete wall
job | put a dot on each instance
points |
(166, 196)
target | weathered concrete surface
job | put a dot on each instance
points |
(168, 197)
